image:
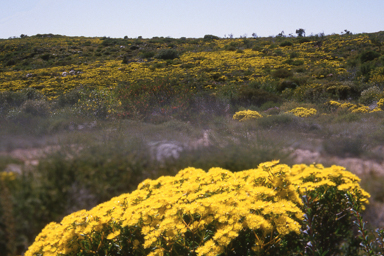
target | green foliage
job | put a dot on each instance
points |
(167, 54)
(293, 55)
(327, 224)
(340, 91)
(294, 62)
(163, 96)
(344, 146)
(250, 95)
(371, 94)
(287, 84)
(147, 54)
(35, 107)
(69, 98)
(303, 40)
(313, 93)
(282, 73)
(45, 57)
(281, 121)
(368, 56)
(15, 99)
(210, 37)
(286, 43)
(110, 42)
(300, 32)
(257, 48)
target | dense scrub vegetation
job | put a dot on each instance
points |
(339, 67)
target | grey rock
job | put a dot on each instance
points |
(163, 150)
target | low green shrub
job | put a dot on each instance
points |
(282, 73)
(286, 43)
(294, 62)
(365, 70)
(293, 55)
(250, 95)
(257, 48)
(287, 84)
(167, 54)
(99, 103)
(230, 48)
(371, 94)
(70, 98)
(210, 37)
(273, 121)
(36, 107)
(313, 93)
(344, 146)
(45, 56)
(15, 99)
(346, 116)
(303, 40)
(162, 96)
(147, 54)
(270, 104)
(368, 56)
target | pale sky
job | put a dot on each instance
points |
(187, 18)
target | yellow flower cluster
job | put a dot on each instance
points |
(213, 207)
(377, 76)
(380, 104)
(354, 108)
(360, 109)
(246, 115)
(303, 112)
(308, 178)
(7, 176)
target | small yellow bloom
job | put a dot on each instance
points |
(113, 235)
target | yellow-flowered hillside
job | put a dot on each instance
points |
(124, 77)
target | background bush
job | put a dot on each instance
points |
(167, 54)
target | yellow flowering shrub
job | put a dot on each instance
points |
(303, 112)
(354, 108)
(347, 105)
(380, 104)
(376, 110)
(377, 76)
(246, 115)
(360, 109)
(204, 213)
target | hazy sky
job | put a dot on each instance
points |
(149, 18)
